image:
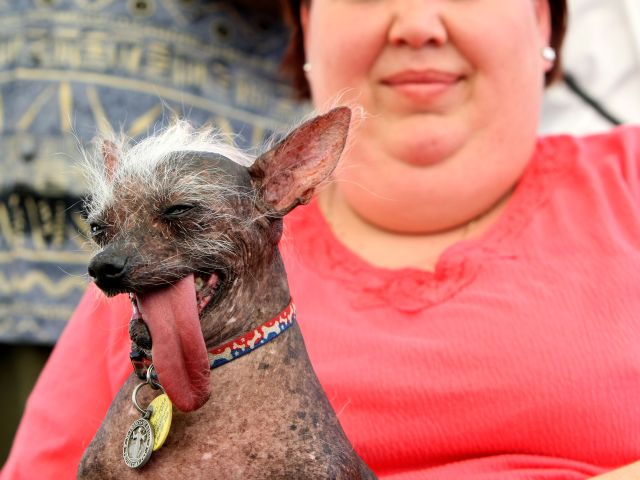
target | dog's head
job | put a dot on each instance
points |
(182, 219)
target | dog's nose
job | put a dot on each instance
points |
(108, 267)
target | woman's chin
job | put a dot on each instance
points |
(421, 145)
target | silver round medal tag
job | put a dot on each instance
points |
(138, 444)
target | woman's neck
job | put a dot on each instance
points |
(392, 249)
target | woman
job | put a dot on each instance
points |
(465, 290)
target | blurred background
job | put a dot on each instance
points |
(70, 69)
(601, 59)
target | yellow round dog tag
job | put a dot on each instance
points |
(160, 419)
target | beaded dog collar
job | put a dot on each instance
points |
(229, 351)
(248, 342)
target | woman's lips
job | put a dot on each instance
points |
(421, 85)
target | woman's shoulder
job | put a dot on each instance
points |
(616, 151)
(622, 142)
(624, 139)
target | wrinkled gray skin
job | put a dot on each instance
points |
(267, 416)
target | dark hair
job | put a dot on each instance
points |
(294, 56)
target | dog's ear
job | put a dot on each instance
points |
(110, 156)
(288, 174)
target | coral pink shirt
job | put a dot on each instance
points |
(518, 358)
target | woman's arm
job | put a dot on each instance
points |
(74, 391)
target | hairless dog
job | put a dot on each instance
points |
(223, 387)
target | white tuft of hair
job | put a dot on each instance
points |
(140, 160)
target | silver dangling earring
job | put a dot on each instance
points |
(549, 54)
(306, 67)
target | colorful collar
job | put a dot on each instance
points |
(229, 351)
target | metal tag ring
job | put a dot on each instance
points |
(135, 394)
(152, 378)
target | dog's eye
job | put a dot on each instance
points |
(97, 232)
(96, 229)
(177, 210)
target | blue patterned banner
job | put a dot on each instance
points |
(70, 69)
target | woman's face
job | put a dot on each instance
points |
(450, 88)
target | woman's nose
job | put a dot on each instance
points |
(417, 23)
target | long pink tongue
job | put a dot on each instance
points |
(178, 349)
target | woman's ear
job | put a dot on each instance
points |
(543, 18)
(543, 15)
(304, 22)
